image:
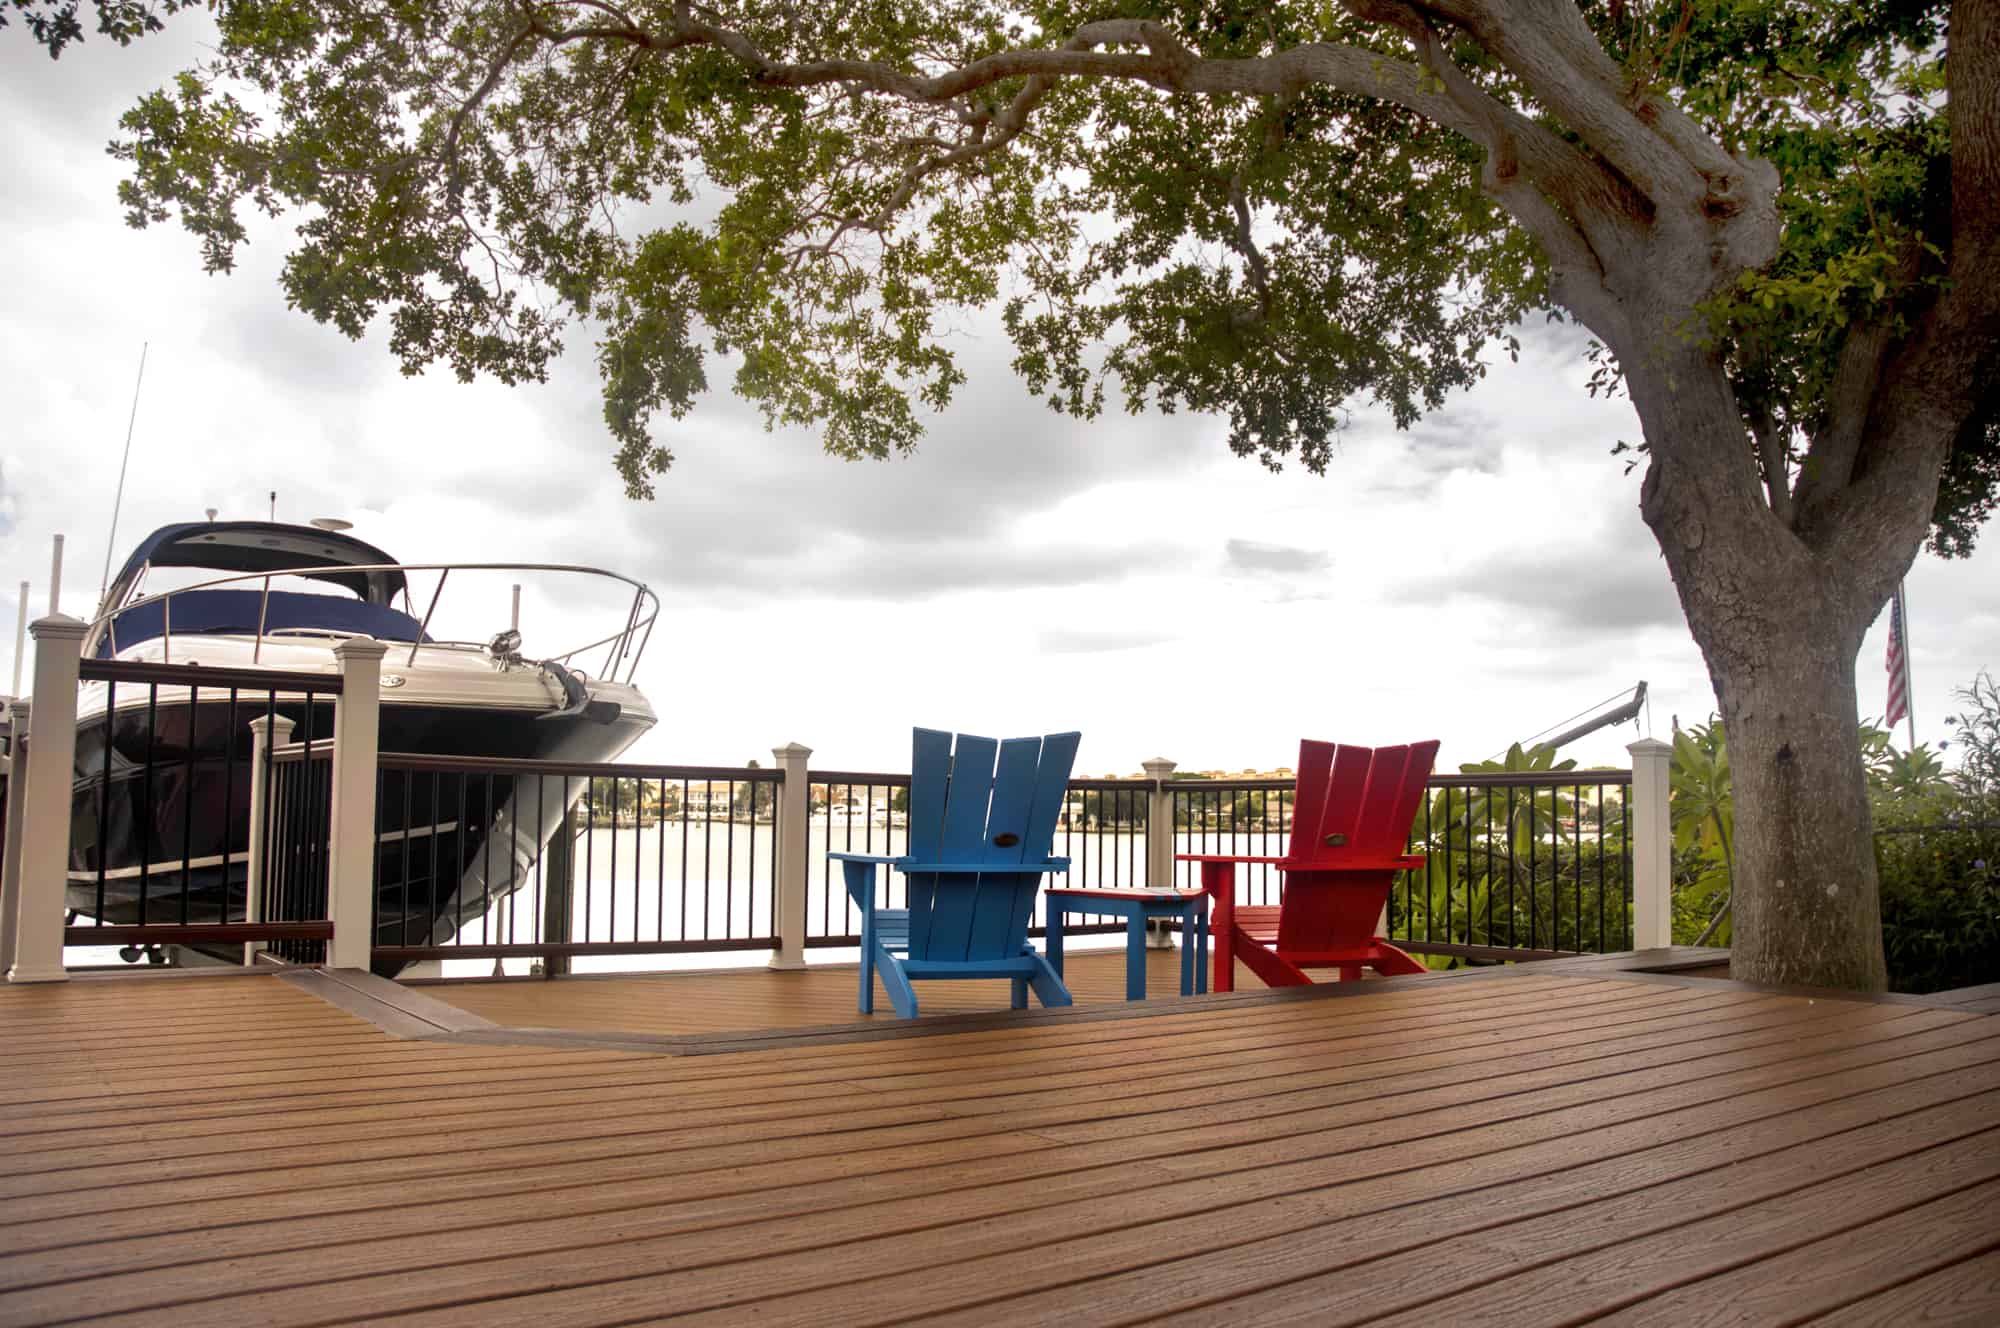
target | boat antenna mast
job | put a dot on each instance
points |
(118, 499)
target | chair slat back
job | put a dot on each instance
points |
(1396, 782)
(1309, 789)
(1349, 801)
(1000, 808)
(1353, 807)
(930, 775)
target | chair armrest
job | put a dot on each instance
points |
(875, 858)
(1400, 862)
(985, 868)
(1225, 857)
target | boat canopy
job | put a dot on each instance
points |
(266, 546)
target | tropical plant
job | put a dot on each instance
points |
(1702, 812)
(1916, 774)
(617, 798)
(1976, 732)
(752, 801)
(1508, 866)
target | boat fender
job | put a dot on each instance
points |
(576, 697)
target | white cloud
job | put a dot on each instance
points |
(1475, 579)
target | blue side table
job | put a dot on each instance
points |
(1137, 907)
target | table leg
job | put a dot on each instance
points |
(1201, 942)
(1189, 964)
(1135, 956)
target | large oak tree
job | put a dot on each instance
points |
(1776, 218)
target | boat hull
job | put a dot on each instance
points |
(160, 818)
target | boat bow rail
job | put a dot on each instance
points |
(245, 604)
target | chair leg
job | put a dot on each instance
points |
(897, 984)
(860, 881)
(1392, 962)
(1271, 969)
(1218, 880)
(1048, 987)
(1020, 993)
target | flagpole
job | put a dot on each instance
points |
(1909, 681)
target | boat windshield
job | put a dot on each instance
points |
(158, 581)
(162, 604)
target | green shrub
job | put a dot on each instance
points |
(1940, 908)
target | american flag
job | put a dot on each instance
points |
(1899, 665)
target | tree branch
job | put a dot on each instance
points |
(1931, 383)
(1774, 460)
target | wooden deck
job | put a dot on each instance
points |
(1527, 1147)
(757, 998)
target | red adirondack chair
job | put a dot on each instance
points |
(1351, 814)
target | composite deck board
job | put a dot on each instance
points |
(1207, 1073)
(64, 1196)
(1209, 1080)
(1207, 1160)
(1218, 1078)
(758, 999)
(953, 1127)
(624, 1197)
(1961, 1293)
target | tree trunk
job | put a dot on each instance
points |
(1779, 627)
(1806, 910)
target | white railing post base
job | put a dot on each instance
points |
(357, 721)
(41, 904)
(1652, 846)
(793, 871)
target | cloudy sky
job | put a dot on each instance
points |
(1477, 579)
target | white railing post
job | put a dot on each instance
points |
(41, 903)
(357, 721)
(793, 868)
(266, 732)
(17, 801)
(1159, 842)
(1652, 840)
(1159, 822)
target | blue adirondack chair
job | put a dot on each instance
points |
(979, 846)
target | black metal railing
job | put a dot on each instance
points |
(1101, 830)
(496, 859)
(1519, 865)
(1239, 817)
(484, 858)
(294, 848)
(1526, 865)
(161, 807)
